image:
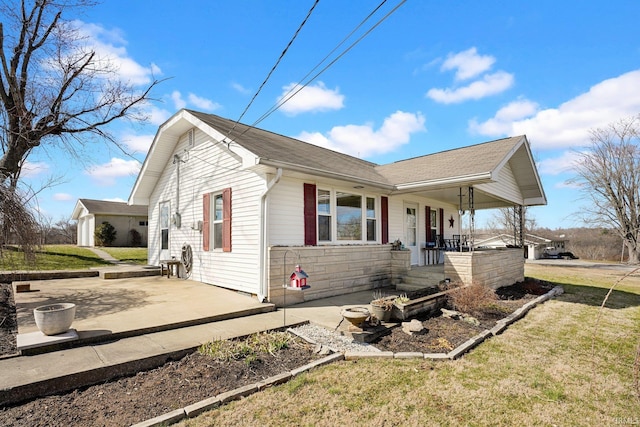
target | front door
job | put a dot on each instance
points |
(164, 230)
(411, 231)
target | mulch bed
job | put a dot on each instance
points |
(148, 394)
(195, 377)
(8, 321)
(442, 335)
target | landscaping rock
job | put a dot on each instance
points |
(413, 327)
(451, 314)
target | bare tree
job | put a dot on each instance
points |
(504, 220)
(608, 173)
(55, 89)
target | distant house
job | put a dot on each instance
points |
(123, 217)
(242, 206)
(535, 247)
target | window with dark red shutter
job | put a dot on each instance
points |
(384, 218)
(310, 224)
(206, 213)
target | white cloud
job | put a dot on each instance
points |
(109, 45)
(364, 140)
(468, 63)
(62, 197)
(500, 123)
(310, 98)
(239, 88)
(137, 143)
(491, 84)
(193, 99)
(107, 173)
(33, 169)
(115, 199)
(157, 116)
(203, 103)
(568, 125)
(557, 165)
(178, 102)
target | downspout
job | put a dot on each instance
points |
(264, 266)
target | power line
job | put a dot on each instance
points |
(275, 66)
(290, 95)
(286, 97)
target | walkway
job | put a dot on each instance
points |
(111, 310)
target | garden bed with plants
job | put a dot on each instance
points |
(215, 368)
(480, 309)
(227, 365)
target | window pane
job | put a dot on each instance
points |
(324, 202)
(165, 238)
(217, 208)
(371, 230)
(164, 215)
(217, 235)
(324, 228)
(371, 207)
(349, 216)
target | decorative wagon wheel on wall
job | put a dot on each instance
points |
(187, 259)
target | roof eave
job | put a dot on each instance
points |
(323, 173)
(474, 179)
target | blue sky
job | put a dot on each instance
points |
(431, 77)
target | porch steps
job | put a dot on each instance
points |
(421, 277)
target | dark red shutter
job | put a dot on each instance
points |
(310, 222)
(441, 214)
(384, 218)
(206, 212)
(427, 225)
(226, 220)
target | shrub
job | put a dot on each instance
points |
(136, 237)
(105, 234)
(472, 299)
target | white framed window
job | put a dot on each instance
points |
(346, 217)
(324, 216)
(371, 218)
(216, 230)
(164, 225)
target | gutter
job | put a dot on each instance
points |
(324, 173)
(264, 267)
(481, 178)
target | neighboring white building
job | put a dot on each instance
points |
(535, 247)
(123, 217)
(247, 204)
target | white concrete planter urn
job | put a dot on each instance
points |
(54, 319)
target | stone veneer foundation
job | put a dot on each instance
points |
(492, 267)
(335, 270)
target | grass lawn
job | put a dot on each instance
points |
(52, 257)
(130, 255)
(68, 257)
(550, 368)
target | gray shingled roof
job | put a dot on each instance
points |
(103, 207)
(471, 160)
(270, 146)
(466, 161)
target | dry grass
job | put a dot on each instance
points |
(540, 371)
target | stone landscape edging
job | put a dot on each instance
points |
(198, 408)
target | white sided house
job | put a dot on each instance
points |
(91, 213)
(243, 206)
